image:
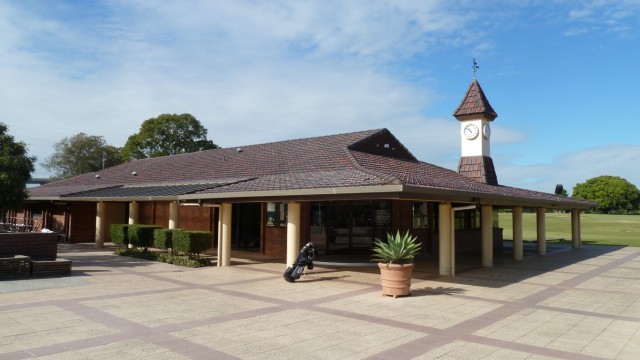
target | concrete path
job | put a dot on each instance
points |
(570, 304)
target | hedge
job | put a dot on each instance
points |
(141, 235)
(119, 234)
(162, 238)
(192, 242)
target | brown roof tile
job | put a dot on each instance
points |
(335, 161)
(475, 103)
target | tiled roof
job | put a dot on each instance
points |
(479, 168)
(310, 155)
(152, 190)
(357, 160)
(475, 103)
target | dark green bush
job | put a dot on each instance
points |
(141, 235)
(192, 242)
(118, 233)
(182, 260)
(162, 238)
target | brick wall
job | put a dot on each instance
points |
(275, 241)
(195, 218)
(38, 246)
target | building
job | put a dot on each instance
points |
(339, 191)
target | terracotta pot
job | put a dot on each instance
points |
(396, 279)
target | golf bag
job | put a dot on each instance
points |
(305, 259)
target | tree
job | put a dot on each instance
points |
(15, 170)
(613, 194)
(167, 134)
(81, 154)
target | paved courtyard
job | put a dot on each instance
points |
(570, 304)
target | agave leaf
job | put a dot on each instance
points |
(399, 248)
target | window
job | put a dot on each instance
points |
(420, 215)
(467, 220)
(276, 214)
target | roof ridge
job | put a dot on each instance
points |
(388, 177)
(372, 131)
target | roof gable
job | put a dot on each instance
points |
(383, 143)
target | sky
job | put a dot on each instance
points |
(562, 75)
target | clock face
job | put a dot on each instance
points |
(471, 131)
(486, 131)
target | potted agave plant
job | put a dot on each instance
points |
(395, 260)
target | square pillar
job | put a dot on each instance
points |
(541, 231)
(293, 232)
(576, 234)
(446, 234)
(101, 224)
(517, 233)
(486, 228)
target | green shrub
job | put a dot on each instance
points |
(162, 238)
(138, 254)
(181, 260)
(192, 242)
(118, 233)
(141, 235)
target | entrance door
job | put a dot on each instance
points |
(246, 225)
(349, 227)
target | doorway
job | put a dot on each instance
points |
(349, 227)
(246, 226)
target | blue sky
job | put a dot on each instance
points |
(561, 75)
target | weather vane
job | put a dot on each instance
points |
(475, 67)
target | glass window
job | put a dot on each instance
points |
(276, 214)
(467, 220)
(420, 215)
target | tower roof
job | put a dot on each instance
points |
(475, 103)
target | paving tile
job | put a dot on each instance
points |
(298, 333)
(581, 303)
(178, 306)
(44, 325)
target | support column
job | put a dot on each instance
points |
(173, 215)
(517, 233)
(224, 235)
(446, 234)
(486, 227)
(541, 230)
(101, 223)
(576, 234)
(134, 210)
(293, 232)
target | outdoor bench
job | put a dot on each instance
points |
(18, 266)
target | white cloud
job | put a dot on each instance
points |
(280, 69)
(616, 16)
(254, 72)
(575, 167)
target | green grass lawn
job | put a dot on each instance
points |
(596, 228)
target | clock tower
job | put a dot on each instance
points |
(475, 115)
